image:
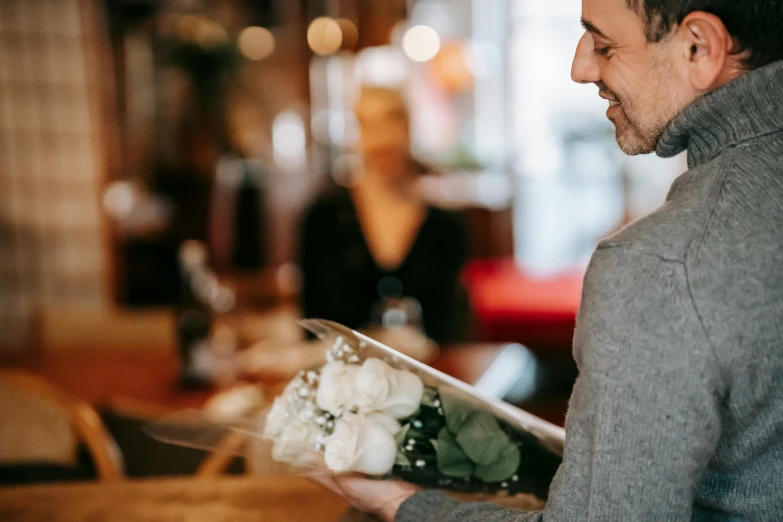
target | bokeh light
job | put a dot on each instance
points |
(325, 36)
(289, 139)
(119, 198)
(350, 33)
(421, 43)
(451, 67)
(256, 43)
(383, 66)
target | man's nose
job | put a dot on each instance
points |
(585, 68)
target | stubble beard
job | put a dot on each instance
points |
(634, 137)
(640, 124)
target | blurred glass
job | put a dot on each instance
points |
(397, 321)
(396, 312)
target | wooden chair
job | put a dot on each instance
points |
(217, 462)
(41, 423)
(257, 453)
(179, 460)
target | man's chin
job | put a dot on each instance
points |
(632, 145)
(630, 142)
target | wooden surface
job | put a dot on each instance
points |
(258, 499)
(270, 499)
(98, 378)
(151, 376)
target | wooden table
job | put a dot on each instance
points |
(99, 378)
(151, 376)
(253, 499)
(259, 499)
(144, 383)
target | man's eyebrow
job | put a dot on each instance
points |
(591, 28)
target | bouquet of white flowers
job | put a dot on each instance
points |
(374, 411)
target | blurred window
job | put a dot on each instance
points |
(574, 184)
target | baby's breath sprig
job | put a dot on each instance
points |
(342, 351)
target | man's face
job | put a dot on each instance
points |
(639, 79)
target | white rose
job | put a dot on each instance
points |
(296, 444)
(391, 425)
(361, 444)
(379, 387)
(280, 413)
(336, 388)
(276, 418)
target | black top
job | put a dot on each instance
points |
(343, 283)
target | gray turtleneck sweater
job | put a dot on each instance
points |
(677, 413)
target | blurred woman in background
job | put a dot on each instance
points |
(376, 255)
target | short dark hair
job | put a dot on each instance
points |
(755, 25)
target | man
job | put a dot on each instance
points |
(678, 410)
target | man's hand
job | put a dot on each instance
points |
(381, 498)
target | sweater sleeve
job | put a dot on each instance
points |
(644, 417)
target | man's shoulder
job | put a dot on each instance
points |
(666, 233)
(735, 198)
(669, 231)
(734, 265)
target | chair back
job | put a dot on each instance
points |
(42, 425)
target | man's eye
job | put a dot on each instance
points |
(601, 51)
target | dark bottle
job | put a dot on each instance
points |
(249, 239)
(194, 317)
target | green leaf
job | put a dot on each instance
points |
(481, 438)
(399, 437)
(504, 468)
(434, 444)
(452, 461)
(455, 411)
(402, 460)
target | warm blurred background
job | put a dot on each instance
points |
(181, 180)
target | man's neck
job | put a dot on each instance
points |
(734, 69)
(745, 108)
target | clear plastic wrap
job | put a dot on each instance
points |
(372, 410)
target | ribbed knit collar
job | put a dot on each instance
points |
(745, 108)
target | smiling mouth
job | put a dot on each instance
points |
(608, 97)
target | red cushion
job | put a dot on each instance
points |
(512, 306)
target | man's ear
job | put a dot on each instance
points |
(705, 45)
